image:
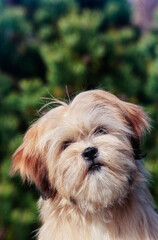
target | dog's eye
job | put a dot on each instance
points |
(100, 130)
(66, 144)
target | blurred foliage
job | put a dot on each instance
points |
(47, 46)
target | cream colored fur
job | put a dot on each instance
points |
(112, 203)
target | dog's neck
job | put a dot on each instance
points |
(133, 219)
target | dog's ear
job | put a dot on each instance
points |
(138, 122)
(133, 115)
(30, 162)
(137, 119)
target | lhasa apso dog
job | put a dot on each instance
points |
(85, 159)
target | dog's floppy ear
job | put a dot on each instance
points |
(133, 115)
(30, 162)
(138, 121)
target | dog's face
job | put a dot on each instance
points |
(83, 151)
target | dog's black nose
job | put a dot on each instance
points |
(90, 154)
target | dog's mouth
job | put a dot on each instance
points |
(95, 167)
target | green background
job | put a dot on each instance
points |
(48, 46)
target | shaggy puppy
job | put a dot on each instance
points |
(85, 159)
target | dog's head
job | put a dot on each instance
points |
(83, 152)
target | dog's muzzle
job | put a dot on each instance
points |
(90, 155)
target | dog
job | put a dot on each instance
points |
(84, 157)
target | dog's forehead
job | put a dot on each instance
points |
(87, 111)
(91, 109)
(94, 103)
(97, 96)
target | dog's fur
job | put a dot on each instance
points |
(83, 201)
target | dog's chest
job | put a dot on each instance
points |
(98, 231)
(65, 231)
